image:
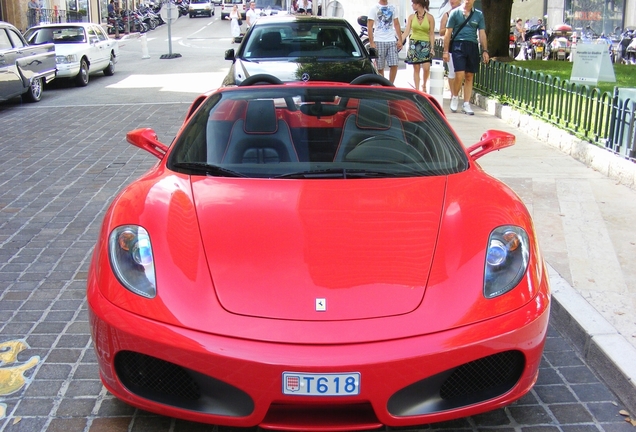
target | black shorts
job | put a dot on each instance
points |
(465, 56)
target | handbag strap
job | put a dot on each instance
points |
(454, 35)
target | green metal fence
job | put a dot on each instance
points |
(601, 118)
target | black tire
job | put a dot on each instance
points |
(34, 93)
(81, 80)
(191, 16)
(152, 23)
(110, 69)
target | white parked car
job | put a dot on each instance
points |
(201, 8)
(82, 49)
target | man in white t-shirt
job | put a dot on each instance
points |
(385, 36)
(251, 15)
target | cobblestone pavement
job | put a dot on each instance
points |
(59, 169)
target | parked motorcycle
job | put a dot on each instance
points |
(626, 49)
(115, 24)
(536, 41)
(364, 31)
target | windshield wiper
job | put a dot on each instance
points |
(342, 173)
(205, 168)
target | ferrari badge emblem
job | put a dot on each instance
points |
(321, 305)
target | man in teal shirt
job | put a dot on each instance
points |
(467, 29)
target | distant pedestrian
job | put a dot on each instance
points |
(251, 15)
(34, 13)
(520, 31)
(235, 27)
(520, 39)
(385, 35)
(442, 32)
(465, 32)
(420, 29)
(304, 7)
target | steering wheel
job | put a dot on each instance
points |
(372, 79)
(260, 79)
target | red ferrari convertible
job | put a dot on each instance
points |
(317, 256)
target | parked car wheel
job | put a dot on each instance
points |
(82, 77)
(110, 69)
(34, 94)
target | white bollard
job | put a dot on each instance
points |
(144, 47)
(436, 82)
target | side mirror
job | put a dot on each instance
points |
(146, 139)
(229, 54)
(491, 140)
(93, 40)
(373, 53)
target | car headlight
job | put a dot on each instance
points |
(506, 259)
(131, 258)
(71, 58)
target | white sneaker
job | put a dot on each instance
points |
(467, 110)
(454, 103)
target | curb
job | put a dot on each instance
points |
(611, 356)
(597, 158)
(606, 351)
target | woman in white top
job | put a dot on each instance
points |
(235, 28)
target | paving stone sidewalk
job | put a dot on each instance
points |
(59, 169)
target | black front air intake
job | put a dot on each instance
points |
(467, 384)
(154, 376)
(168, 383)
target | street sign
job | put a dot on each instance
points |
(169, 12)
(592, 64)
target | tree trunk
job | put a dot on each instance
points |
(497, 16)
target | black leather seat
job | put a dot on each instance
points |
(270, 45)
(373, 119)
(260, 137)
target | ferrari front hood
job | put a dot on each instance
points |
(319, 249)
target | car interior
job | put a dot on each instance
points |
(293, 40)
(73, 34)
(265, 136)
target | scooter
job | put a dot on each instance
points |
(630, 53)
(364, 31)
(536, 41)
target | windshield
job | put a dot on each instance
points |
(317, 132)
(71, 34)
(301, 39)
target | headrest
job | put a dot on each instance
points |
(260, 117)
(271, 40)
(373, 114)
(327, 37)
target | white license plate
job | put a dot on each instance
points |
(330, 384)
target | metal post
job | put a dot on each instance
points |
(127, 19)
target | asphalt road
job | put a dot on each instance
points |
(61, 162)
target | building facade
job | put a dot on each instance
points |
(602, 16)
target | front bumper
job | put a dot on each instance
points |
(200, 12)
(235, 382)
(67, 70)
